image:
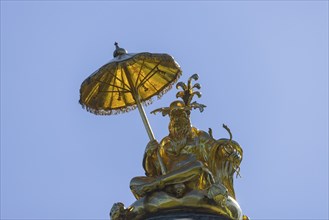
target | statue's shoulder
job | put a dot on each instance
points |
(165, 141)
(202, 135)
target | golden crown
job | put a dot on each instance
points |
(187, 95)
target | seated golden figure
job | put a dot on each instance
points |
(198, 171)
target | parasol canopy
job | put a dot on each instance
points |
(114, 87)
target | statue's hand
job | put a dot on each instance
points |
(219, 193)
(151, 147)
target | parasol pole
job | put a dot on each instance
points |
(143, 116)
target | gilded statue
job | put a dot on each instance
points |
(198, 169)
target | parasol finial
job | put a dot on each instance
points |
(118, 50)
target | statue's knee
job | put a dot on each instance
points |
(199, 167)
(140, 180)
(134, 181)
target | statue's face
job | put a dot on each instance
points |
(180, 123)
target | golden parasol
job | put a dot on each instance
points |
(126, 82)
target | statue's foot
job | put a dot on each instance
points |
(179, 190)
(218, 193)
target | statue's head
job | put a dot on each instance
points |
(180, 124)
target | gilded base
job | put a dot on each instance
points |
(186, 215)
(160, 202)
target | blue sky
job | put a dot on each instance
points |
(263, 67)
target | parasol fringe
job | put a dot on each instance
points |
(147, 102)
(115, 111)
(109, 112)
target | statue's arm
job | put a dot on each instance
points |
(150, 162)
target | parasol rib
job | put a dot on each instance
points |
(162, 75)
(114, 78)
(140, 72)
(145, 81)
(114, 86)
(150, 74)
(124, 95)
(152, 86)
